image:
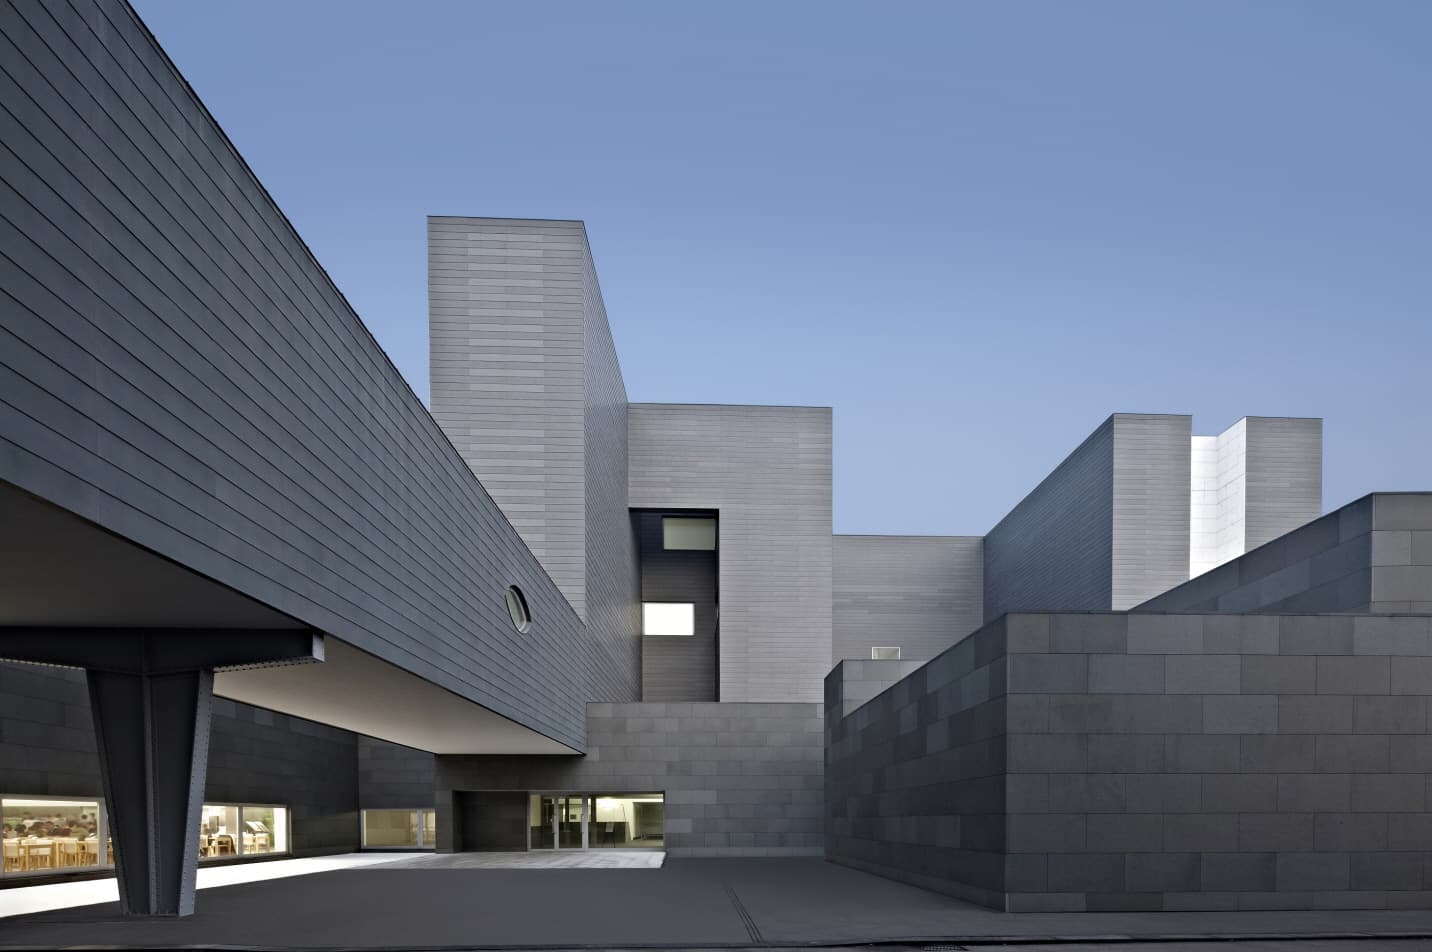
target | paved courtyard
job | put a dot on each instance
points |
(48, 896)
(685, 903)
(536, 859)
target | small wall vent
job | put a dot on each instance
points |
(884, 654)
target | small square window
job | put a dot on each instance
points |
(668, 618)
(884, 654)
(684, 533)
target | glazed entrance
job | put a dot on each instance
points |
(574, 821)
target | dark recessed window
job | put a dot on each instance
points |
(517, 608)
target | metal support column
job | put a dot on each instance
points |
(153, 733)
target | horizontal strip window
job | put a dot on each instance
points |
(53, 835)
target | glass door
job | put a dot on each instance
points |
(558, 821)
(571, 823)
(542, 821)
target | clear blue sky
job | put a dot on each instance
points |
(975, 230)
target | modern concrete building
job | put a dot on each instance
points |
(256, 600)
(1143, 504)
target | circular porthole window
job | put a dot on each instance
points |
(517, 608)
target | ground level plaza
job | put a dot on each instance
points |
(691, 902)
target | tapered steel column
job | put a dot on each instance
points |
(153, 733)
(150, 693)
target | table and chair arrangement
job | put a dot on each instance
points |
(224, 844)
(25, 854)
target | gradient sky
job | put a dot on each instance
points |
(975, 230)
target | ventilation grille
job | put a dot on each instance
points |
(884, 654)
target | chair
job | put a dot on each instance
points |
(89, 852)
(39, 854)
(68, 850)
(12, 855)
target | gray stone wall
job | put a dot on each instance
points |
(259, 756)
(1151, 518)
(1402, 552)
(391, 776)
(853, 683)
(1167, 762)
(1372, 555)
(1283, 476)
(1218, 762)
(920, 593)
(613, 610)
(47, 744)
(178, 369)
(490, 821)
(1056, 548)
(767, 471)
(915, 778)
(740, 779)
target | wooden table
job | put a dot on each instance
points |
(217, 844)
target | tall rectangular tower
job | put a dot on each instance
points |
(765, 472)
(1143, 504)
(526, 384)
(1107, 529)
(1257, 480)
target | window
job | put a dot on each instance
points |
(399, 829)
(517, 609)
(885, 654)
(596, 821)
(668, 618)
(686, 533)
(232, 830)
(265, 830)
(46, 835)
(627, 820)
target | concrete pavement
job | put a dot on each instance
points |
(686, 903)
